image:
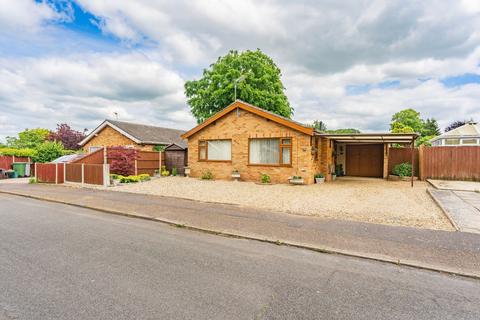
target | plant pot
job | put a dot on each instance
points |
(187, 171)
(236, 176)
(297, 181)
(334, 177)
(319, 180)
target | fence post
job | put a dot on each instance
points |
(421, 170)
(56, 173)
(13, 158)
(35, 167)
(106, 174)
(136, 167)
(160, 162)
(105, 155)
(64, 172)
(83, 173)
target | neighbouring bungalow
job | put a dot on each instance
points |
(254, 141)
(466, 135)
(143, 137)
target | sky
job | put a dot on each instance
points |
(347, 63)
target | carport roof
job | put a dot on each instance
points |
(371, 137)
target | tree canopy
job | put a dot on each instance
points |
(455, 125)
(409, 121)
(67, 136)
(322, 127)
(260, 84)
(28, 138)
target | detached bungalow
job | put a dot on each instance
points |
(253, 141)
(140, 136)
(466, 135)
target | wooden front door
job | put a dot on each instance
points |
(365, 160)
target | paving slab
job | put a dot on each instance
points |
(455, 185)
(455, 252)
(463, 207)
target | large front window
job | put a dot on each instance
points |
(215, 150)
(270, 151)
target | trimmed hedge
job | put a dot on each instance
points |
(18, 152)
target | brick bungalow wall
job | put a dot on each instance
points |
(241, 126)
(109, 137)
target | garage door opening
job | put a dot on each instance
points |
(364, 160)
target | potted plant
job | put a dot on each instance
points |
(187, 171)
(319, 178)
(265, 178)
(297, 180)
(157, 173)
(235, 175)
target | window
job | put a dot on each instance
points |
(452, 142)
(469, 141)
(215, 150)
(270, 151)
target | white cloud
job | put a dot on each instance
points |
(321, 47)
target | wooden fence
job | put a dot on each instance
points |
(6, 161)
(401, 155)
(450, 163)
(49, 172)
(147, 161)
(58, 173)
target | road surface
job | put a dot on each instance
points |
(63, 262)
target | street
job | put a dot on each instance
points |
(63, 262)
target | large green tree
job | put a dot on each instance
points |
(430, 128)
(259, 84)
(28, 138)
(407, 120)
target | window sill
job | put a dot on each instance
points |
(221, 161)
(269, 165)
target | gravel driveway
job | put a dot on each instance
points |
(359, 199)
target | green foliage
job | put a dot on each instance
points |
(403, 170)
(159, 148)
(32, 180)
(144, 177)
(129, 179)
(207, 175)
(296, 178)
(455, 125)
(261, 85)
(115, 176)
(404, 119)
(430, 128)
(49, 151)
(18, 152)
(424, 141)
(28, 138)
(174, 171)
(319, 126)
(265, 178)
(345, 130)
(318, 175)
(164, 172)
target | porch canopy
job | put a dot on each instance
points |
(400, 138)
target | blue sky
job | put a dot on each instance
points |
(348, 64)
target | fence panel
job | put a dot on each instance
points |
(93, 174)
(400, 155)
(95, 157)
(452, 163)
(148, 162)
(49, 172)
(73, 172)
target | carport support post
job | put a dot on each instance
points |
(412, 149)
(83, 173)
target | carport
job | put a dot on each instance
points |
(365, 154)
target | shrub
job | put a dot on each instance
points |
(159, 148)
(207, 175)
(296, 177)
(144, 177)
(318, 175)
(130, 179)
(403, 170)
(18, 152)
(32, 180)
(265, 178)
(123, 160)
(115, 176)
(49, 151)
(174, 171)
(165, 173)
